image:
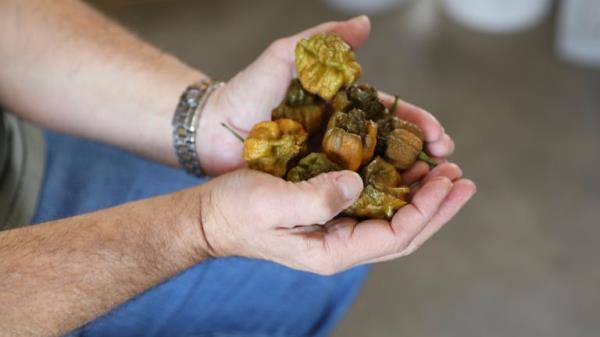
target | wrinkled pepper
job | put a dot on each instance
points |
(301, 106)
(383, 194)
(360, 96)
(350, 139)
(400, 142)
(310, 166)
(325, 63)
(270, 146)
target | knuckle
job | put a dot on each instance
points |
(404, 239)
(279, 46)
(324, 197)
(327, 199)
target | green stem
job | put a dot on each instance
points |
(424, 157)
(237, 135)
(394, 105)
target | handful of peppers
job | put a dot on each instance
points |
(327, 123)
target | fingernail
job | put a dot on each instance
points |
(360, 17)
(350, 184)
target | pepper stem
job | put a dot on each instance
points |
(394, 105)
(237, 135)
(424, 157)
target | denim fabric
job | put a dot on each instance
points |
(222, 297)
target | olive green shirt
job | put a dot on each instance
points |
(22, 159)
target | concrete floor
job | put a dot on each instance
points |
(522, 258)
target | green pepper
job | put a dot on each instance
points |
(383, 194)
(311, 166)
(360, 96)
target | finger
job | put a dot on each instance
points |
(461, 193)
(443, 147)
(446, 169)
(415, 173)
(432, 129)
(315, 201)
(354, 31)
(412, 218)
(350, 243)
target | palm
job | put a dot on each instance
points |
(246, 100)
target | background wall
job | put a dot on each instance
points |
(522, 258)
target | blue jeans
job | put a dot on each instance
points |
(220, 297)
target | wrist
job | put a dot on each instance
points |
(218, 151)
(182, 223)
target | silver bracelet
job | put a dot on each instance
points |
(185, 123)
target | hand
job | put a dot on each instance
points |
(250, 96)
(250, 213)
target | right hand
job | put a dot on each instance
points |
(249, 97)
(253, 214)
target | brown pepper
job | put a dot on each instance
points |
(350, 139)
(271, 145)
(403, 148)
(301, 106)
(400, 142)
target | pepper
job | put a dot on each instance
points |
(350, 139)
(310, 166)
(270, 146)
(325, 63)
(383, 194)
(301, 106)
(381, 173)
(400, 142)
(360, 96)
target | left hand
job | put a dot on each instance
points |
(253, 214)
(250, 96)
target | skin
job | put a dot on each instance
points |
(72, 70)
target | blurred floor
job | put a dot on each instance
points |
(522, 258)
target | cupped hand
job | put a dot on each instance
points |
(250, 96)
(252, 214)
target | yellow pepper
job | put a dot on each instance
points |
(271, 145)
(325, 63)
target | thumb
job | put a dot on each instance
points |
(316, 201)
(268, 76)
(354, 31)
